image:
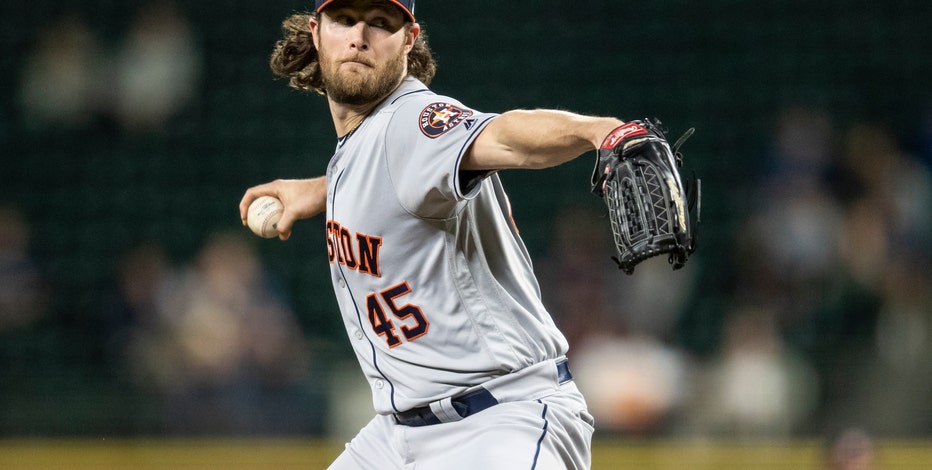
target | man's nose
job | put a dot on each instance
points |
(359, 36)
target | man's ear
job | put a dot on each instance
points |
(314, 24)
(411, 36)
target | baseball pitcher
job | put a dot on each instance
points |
(436, 289)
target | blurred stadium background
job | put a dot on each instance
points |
(137, 314)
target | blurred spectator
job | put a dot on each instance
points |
(757, 387)
(899, 183)
(157, 68)
(224, 349)
(865, 242)
(70, 81)
(23, 293)
(633, 384)
(61, 80)
(789, 250)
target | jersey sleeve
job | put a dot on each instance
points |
(425, 143)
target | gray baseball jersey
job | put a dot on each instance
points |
(435, 285)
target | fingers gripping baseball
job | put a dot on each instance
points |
(302, 199)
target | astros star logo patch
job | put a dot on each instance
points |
(438, 118)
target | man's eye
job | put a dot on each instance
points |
(344, 20)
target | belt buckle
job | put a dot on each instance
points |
(563, 372)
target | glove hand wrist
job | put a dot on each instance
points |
(620, 133)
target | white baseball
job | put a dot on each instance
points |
(263, 216)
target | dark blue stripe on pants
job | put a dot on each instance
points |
(543, 434)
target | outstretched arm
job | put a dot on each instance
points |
(536, 139)
(302, 199)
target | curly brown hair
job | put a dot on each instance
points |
(295, 56)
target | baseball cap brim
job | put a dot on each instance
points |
(402, 5)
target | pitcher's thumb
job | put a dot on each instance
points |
(284, 225)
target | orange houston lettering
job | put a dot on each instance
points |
(346, 241)
(359, 253)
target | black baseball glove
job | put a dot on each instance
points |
(651, 211)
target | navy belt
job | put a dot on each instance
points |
(468, 404)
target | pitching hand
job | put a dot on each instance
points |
(302, 199)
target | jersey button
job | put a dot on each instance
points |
(342, 283)
(379, 384)
(357, 334)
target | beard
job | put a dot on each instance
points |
(353, 88)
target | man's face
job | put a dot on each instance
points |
(362, 47)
